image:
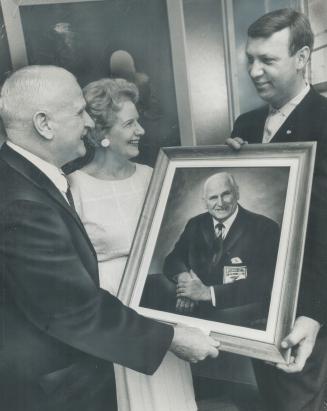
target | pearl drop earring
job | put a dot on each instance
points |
(105, 143)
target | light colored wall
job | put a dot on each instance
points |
(206, 64)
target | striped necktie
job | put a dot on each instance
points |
(219, 228)
(218, 244)
(69, 195)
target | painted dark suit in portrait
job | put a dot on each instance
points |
(240, 267)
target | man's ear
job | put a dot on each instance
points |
(302, 58)
(42, 125)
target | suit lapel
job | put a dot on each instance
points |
(207, 231)
(40, 180)
(214, 245)
(251, 125)
(234, 234)
(236, 230)
(291, 129)
(258, 130)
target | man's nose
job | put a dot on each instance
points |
(88, 121)
(219, 201)
(255, 69)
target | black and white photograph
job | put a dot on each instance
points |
(217, 221)
(163, 212)
(212, 247)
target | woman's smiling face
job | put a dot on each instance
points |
(125, 134)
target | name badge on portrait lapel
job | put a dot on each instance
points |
(235, 272)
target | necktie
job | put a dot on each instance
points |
(70, 198)
(273, 123)
(69, 195)
(219, 227)
(218, 245)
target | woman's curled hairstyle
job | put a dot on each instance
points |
(104, 99)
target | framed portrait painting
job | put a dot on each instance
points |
(220, 242)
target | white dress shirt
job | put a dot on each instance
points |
(54, 173)
(277, 117)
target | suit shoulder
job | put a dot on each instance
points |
(322, 107)
(15, 188)
(198, 219)
(248, 125)
(250, 116)
(316, 106)
(320, 99)
(260, 219)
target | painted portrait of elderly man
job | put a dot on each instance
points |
(216, 251)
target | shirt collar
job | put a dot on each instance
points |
(287, 108)
(228, 222)
(50, 170)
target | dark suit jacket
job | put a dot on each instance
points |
(308, 122)
(253, 239)
(59, 331)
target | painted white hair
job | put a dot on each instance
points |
(215, 177)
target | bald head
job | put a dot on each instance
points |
(43, 111)
(31, 89)
(221, 194)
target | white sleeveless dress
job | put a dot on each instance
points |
(109, 211)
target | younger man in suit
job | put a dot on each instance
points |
(278, 49)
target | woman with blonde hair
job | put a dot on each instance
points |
(109, 194)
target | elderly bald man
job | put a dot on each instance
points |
(224, 261)
(60, 332)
